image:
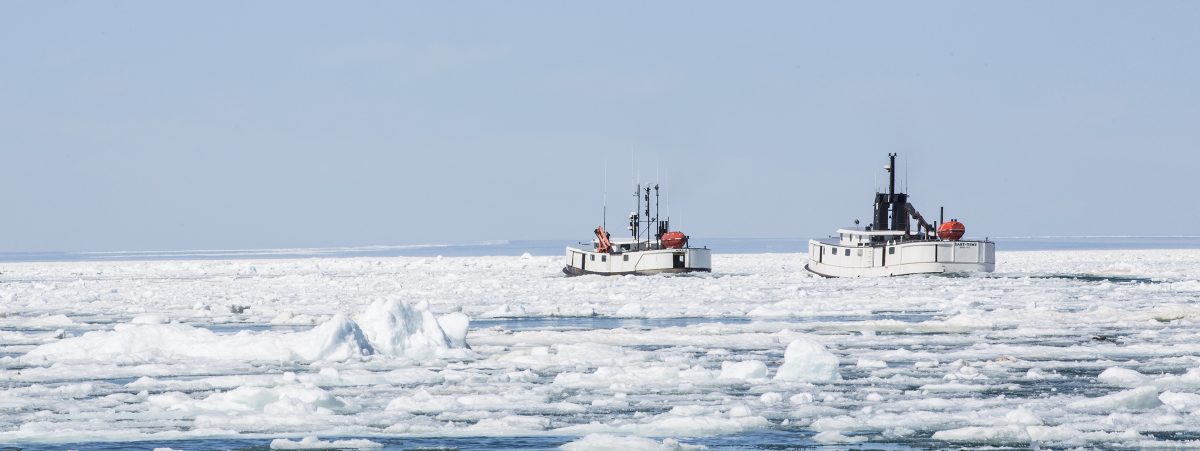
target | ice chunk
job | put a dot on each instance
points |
(285, 400)
(422, 401)
(962, 371)
(1122, 377)
(739, 411)
(311, 442)
(397, 328)
(609, 442)
(1183, 402)
(1022, 415)
(1136, 399)
(455, 325)
(771, 398)
(801, 398)
(1035, 373)
(149, 319)
(871, 363)
(984, 434)
(750, 369)
(692, 421)
(635, 376)
(808, 361)
(509, 425)
(337, 339)
(833, 437)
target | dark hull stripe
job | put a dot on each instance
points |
(827, 276)
(819, 274)
(573, 271)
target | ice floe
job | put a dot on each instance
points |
(609, 442)
(374, 348)
(312, 442)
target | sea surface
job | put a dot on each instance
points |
(1089, 343)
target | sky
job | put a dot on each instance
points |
(221, 125)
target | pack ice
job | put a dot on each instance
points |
(1065, 349)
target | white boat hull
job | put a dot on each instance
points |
(917, 257)
(657, 261)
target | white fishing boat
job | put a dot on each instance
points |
(653, 249)
(890, 246)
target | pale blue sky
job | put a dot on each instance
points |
(171, 125)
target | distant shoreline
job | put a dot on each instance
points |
(556, 247)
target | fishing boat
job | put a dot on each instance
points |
(891, 246)
(653, 248)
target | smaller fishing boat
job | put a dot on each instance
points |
(653, 249)
(891, 247)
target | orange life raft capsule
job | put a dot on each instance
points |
(674, 240)
(951, 230)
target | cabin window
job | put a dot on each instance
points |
(603, 258)
(891, 250)
(847, 252)
(626, 257)
(593, 257)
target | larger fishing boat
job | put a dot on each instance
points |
(891, 247)
(653, 249)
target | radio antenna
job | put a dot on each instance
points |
(604, 218)
(667, 178)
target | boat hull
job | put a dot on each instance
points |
(920, 257)
(658, 261)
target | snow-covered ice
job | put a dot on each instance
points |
(1059, 348)
(808, 361)
(608, 442)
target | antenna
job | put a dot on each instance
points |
(667, 181)
(604, 218)
(658, 169)
(657, 213)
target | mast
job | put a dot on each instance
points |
(633, 217)
(891, 208)
(648, 219)
(891, 168)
